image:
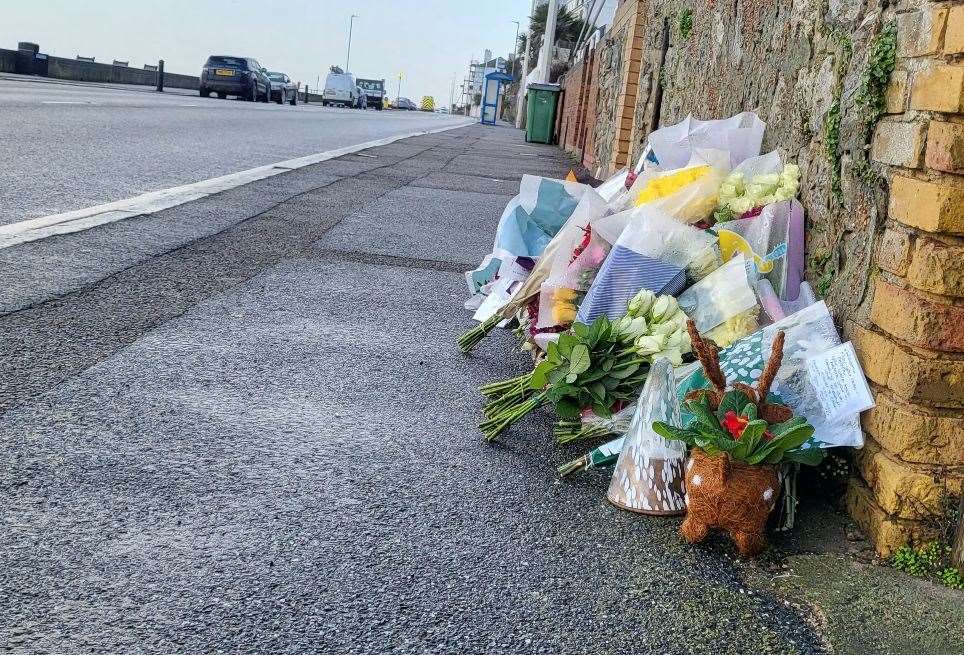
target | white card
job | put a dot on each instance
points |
(838, 379)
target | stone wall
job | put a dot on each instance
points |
(882, 166)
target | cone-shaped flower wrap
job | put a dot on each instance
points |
(649, 473)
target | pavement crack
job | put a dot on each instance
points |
(394, 260)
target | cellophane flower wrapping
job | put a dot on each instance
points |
(773, 242)
(653, 252)
(740, 136)
(649, 473)
(530, 220)
(688, 194)
(723, 304)
(571, 275)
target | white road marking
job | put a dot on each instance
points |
(78, 220)
(64, 102)
(360, 154)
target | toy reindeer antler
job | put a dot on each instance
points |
(773, 365)
(709, 356)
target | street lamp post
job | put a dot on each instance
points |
(398, 95)
(351, 22)
(515, 49)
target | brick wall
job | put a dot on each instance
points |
(884, 197)
(912, 346)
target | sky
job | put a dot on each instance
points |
(428, 41)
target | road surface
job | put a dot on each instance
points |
(256, 435)
(69, 146)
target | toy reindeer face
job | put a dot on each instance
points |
(709, 356)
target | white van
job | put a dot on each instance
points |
(340, 90)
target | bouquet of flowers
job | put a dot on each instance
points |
(740, 195)
(602, 365)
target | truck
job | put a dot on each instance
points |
(340, 89)
(428, 103)
(374, 90)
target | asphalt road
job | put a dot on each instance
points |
(260, 437)
(70, 146)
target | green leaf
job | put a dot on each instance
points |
(779, 429)
(750, 439)
(567, 408)
(808, 456)
(566, 343)
(557, 375)
(671, 432)
(607, 364)
(598, 391)
(733, 401)
(707, 420)
(624, 372)
(540, 376)
(579, 361)
(750, 411)
(571, 377)
(581, 330)
(552, 352)
(611, 383)
(794, 437)
(601, 410)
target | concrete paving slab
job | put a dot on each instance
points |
(473, 183)
(415, 222)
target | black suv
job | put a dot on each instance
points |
(235, 76)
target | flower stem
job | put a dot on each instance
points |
(469, 340)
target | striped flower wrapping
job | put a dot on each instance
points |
(621, 277)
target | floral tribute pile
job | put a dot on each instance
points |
(691, 265)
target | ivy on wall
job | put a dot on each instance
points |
(871, 94)
(685, 23)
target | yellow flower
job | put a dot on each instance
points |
(666, 185)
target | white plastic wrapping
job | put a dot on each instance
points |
(741, 136)
(721, 295)
(688, 194)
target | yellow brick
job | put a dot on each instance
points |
(937, 267)
(914, 433)
(914, 376)
(916, 319)
(939, 88)
(896, 97)
(894, 253)
(954, 35)
(928, 205)
(945, 147)
(887, 532)
(909, 491)
(920, 32)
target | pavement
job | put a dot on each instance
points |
(242, 425)
(136, 140)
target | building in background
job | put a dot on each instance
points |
(478, 69)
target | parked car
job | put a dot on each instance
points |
(405, 103)
(362, 102)
(340, 90)
(374, 92)
(282, 88)
(441, 110)
(227, 76)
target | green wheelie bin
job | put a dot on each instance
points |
(541, 112)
